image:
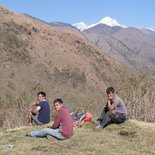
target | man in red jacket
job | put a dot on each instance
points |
(62, 127)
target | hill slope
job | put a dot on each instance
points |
(129, 45)
(132, 137)
(67, 28)
(35, 56)
(34, 53)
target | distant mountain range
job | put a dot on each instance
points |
(107, 21)
(134, 46)
(148, 31)
(81, 26)
(112, 23)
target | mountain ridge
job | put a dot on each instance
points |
(133, 39)
(109, 22)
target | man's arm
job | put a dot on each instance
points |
(56, 123)
(36, 109)
(33, 103)
(111, 107)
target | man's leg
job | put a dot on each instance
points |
(47, 131)
(118, 118)
(103, 113)
(56, 133)
(112, 118)
(35, 119)
(106, 119)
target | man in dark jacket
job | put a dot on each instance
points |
(62, 127)
(41, 113)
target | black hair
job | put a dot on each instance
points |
(110, 90)
(59, 100)
(42, 93)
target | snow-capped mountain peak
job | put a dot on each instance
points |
(151, 29)
(81, 26)
(109, 21)
(106, 20)
(145, 28)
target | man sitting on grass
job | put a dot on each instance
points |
(41, 113)
(62, 127)
(114, 111)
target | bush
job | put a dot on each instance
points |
(137, 90)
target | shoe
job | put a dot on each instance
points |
(95, 123)
(28, 134)
(98, 128)
(30, 124)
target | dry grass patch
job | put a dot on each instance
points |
(129, 138)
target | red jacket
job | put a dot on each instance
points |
(63, 119)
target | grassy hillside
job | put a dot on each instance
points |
(37, 57)
(130, 138)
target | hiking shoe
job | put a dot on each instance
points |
(95, 123)
(98, 128)
(28, 134)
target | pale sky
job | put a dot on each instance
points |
(126, 12)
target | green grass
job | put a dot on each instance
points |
(130, 138)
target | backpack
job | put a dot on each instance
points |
(88, 117)
(79, 119)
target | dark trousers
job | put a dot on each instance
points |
(108, 117)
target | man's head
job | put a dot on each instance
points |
(41, 96)
(110, 92)
(58, 104)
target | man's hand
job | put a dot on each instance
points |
(113, 111)
(33, 103)
(36, 110)
(110, 107)
(109, 103)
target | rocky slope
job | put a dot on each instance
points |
(129, 45)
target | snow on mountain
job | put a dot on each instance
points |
(110, 22)
(148, 31)
(147, 28)
(106, 20)
(81, 26)
(152, 29)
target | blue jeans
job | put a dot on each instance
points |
(48, 131)
(35, 119)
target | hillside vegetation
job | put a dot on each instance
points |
(36, 57)
(132, 137)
